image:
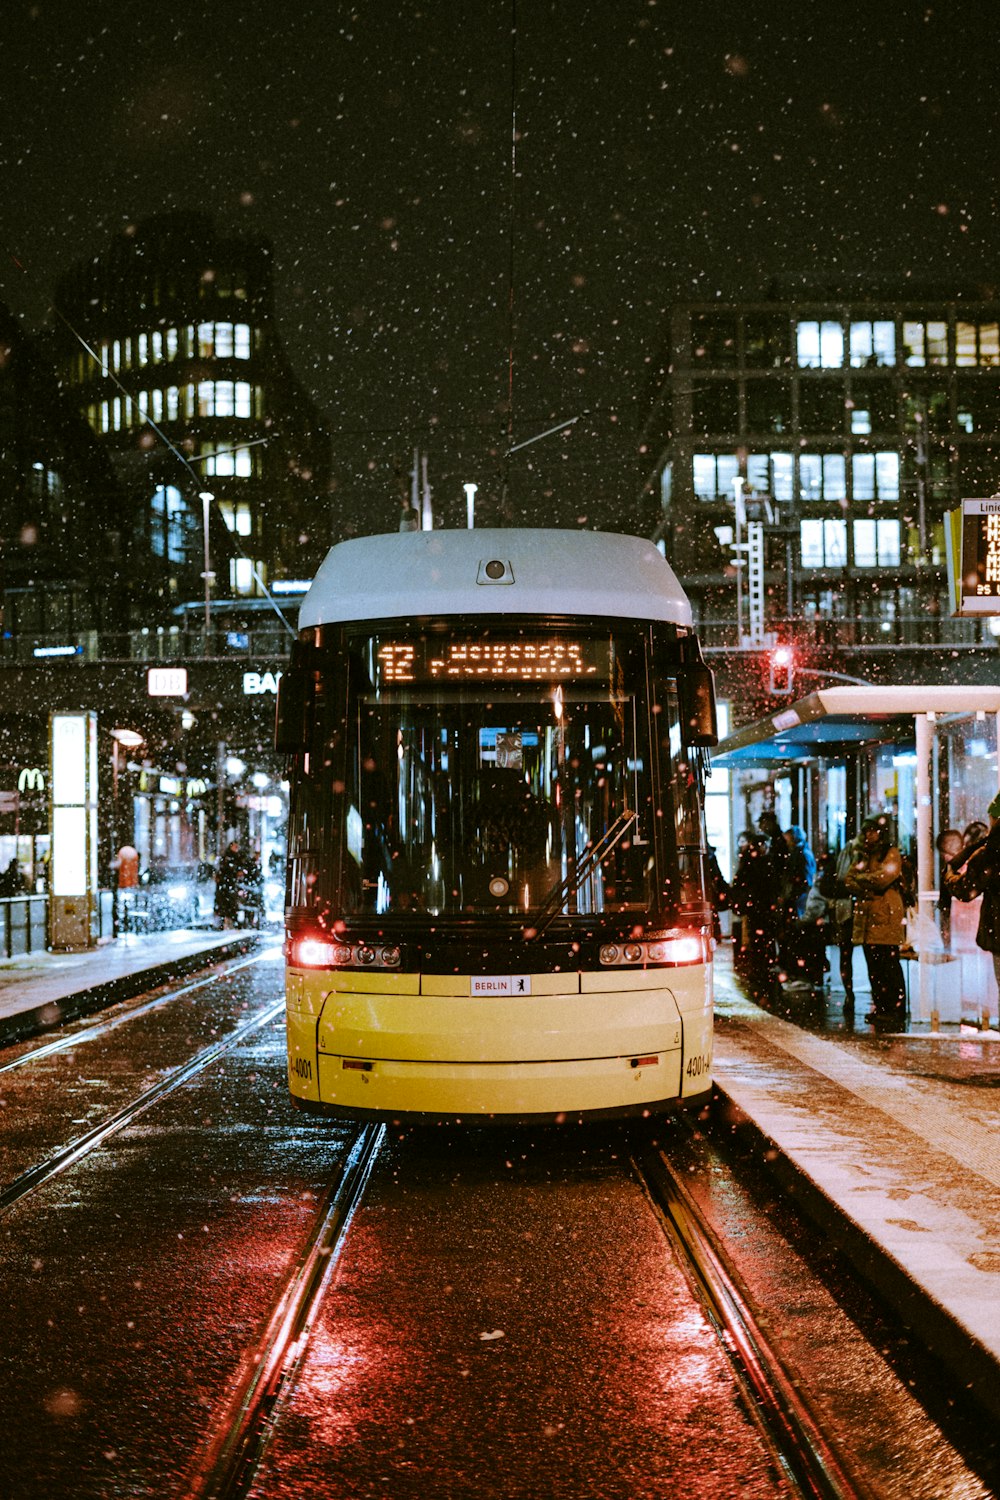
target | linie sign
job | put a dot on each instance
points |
(167, 682)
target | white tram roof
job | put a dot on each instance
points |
(412, 574)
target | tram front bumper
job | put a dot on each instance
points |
(357, 1044)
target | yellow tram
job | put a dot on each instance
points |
(496, 903)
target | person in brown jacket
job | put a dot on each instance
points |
(874, 881)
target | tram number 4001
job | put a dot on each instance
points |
(302, 1068)
(698, 1066)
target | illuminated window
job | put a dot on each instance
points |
(237, 517)
(127, 354)
(713, 475)
(875, 476)
(823, 543)
(170, 343)
(206, 340)
(116, 355)
(224, 398)
(105, 417)
(965, 344)
(989, 344)
(241, 575)
(925, 343)
(770, 474)
(156, 346)
(822, 476)
(227, 461)
(876, 544)
(156, 405)
(963, 419)
(242, 398)
(977, 344)
(142, 349)
(241, 340)
(873, 343)
(168, 523)
(173, 403)
(116, 414)
(937, 343)
(861, 420)
(819, 345)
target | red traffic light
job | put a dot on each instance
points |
(781, 671)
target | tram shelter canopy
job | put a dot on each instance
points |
(837, 720)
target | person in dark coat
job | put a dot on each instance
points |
(801, 869)
(980, 876)
(874, 880)
(949, 847)
(227, 885)
(753, 899)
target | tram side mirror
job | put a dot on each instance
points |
(291, 721)
(696, 691)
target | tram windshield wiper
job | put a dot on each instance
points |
(591, 857)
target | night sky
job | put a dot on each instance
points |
(664, 149)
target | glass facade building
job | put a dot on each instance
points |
(848, 427)
(168, 341)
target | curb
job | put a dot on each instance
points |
(53, 1013)
(973, 1366)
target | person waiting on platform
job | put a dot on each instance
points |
(753, 899)
(980, 876)
(801, 869)
(227, 885)
(874, 880)
(949, 847)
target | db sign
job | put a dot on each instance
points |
(167, 682)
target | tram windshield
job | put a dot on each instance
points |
(523, 776)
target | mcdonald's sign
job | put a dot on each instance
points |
(31, 779)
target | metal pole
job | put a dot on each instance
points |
(925, 867)
(738, 517)
(206, 500)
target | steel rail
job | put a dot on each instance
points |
(68, 1155)
(805, 1456)
(228, 1464)
(101, 1028)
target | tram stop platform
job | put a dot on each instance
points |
(889, 1140)
(40, 990)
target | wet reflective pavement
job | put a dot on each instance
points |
(506, 1317)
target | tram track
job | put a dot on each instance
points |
(230, 1459)
(82, 1145)
(96, 1030)
(801, 1450)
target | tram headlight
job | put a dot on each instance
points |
(314, 953)
(365, 955)
(390, 958)
(672, 949)
(678, 948)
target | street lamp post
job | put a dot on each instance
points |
(206, 497)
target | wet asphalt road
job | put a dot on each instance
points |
(506, 1317)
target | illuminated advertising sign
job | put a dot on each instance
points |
(979, 574)
(492, 659)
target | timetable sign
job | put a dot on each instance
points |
(980, 566)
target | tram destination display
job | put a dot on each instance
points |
(979, 566)
(463, 658)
